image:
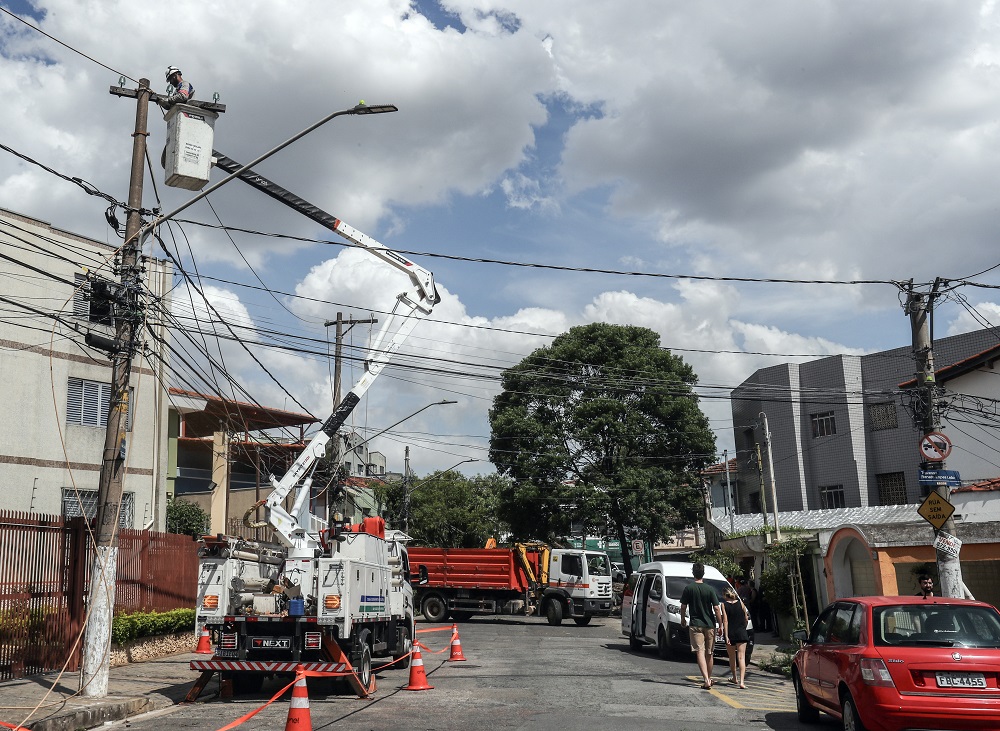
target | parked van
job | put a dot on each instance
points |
(651, 607)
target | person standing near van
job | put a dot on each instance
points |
(736, 636)
(706, 614)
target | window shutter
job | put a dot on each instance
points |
(74, 401)
(81, 297)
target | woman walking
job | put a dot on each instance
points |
(736, 637)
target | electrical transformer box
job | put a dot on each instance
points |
(188, 155)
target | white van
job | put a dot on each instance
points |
(651, 607)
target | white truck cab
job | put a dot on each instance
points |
(651, 607)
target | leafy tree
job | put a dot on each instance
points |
(447, 509)
(186, 518)
(600, 428)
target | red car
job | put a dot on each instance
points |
(895, 663)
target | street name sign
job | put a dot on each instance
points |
(948, 544)
(951, 478)
(935, 510)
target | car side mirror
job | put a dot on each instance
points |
(801, 635)
(423, 576)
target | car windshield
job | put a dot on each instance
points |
(937, 625)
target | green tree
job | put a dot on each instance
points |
(601, 428)
(447, 509)
(186, 518)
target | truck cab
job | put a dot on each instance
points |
(579, 586)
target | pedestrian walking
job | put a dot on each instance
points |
(736, 618)
(706, 614)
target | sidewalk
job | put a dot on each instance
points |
(766, 644)
(135, 688)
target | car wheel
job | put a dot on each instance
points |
(582, 621)
(852, 721)
(662, 644)
(435, 610)
(807, 714)
(554, 612)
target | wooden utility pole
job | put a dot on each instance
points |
(920, 308)
(339, 348)
(101, 596)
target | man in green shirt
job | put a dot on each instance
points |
(706, 611)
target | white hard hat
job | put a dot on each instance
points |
(171, 70)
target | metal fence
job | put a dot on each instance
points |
(43, 584)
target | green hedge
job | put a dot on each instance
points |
(129, 627)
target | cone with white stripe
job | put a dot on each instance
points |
(456, 646)
(418, 678)
(298, 709)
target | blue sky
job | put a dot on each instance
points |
(787, 140)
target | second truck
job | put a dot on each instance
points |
(527, 578)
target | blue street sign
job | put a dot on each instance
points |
(936, 477)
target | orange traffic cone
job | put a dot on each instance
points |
(456, 646)
(298, 709)
(204, 643)
(418, 678)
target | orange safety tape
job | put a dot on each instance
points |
(16, 728)
(435, 629)
(435, 652)
(250, 715)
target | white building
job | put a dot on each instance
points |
(56, 389)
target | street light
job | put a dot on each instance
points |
(407, 492)
(442, 402)
(359, 109)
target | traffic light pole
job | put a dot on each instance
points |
(919, 307)
(101, 596)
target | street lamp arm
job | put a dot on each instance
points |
(442, 402)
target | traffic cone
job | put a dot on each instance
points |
(418, 678)
(298, 709)
(456, 646)
(204, 643)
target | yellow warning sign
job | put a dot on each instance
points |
(935, 510)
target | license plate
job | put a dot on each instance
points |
(266, 643)
(961, 680)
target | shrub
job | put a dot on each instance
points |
(779, 661)
(127, 627)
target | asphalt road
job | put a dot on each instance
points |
(521, 673)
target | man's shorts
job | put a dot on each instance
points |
(702, 639)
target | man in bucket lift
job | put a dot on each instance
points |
(183, 91)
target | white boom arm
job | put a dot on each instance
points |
(298, 529)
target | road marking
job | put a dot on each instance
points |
(762, 693)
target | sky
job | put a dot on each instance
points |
(647, 159)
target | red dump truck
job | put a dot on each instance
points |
(528, 578)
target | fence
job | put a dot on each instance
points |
(46, 567)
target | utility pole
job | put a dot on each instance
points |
(760, 480)
(101, 596)
(770, 470)
(920, 308)
(406, 490)
(729, 493)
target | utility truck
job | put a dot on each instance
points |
(326, 594)
(527, 578)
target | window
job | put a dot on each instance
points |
(832, 496)
(92, 302)
(883, 416)
(656, 590)
(891, 488)
(77, 503)
(87, 403)
(572, 564)
(824, 424)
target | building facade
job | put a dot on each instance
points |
(841, 432)
(56, 388)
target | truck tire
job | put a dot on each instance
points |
(361, 658)
(435, 609)
(554, 612)
(582, 621)
(402, 657)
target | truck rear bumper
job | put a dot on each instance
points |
(269, 666)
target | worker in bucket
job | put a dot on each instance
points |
(183, 91)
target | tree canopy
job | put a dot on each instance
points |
(601, 431)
